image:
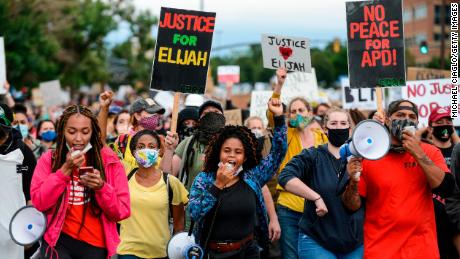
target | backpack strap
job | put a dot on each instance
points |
(170, 197)
(185, 161)
(132, 173)
(122, 143)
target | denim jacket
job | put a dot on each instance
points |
(203, 195)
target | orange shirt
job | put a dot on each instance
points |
(399, 216)
(91, 232)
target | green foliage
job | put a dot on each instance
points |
(48, 39)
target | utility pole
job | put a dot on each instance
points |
(443, 31)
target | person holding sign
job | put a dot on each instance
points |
(397, 190)
(327, 229)
(82, 189)
(227, 195)
(300, 134)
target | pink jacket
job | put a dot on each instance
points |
(113, 197)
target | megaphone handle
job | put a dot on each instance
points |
(357, 175)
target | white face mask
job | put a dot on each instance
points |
(258, 133)
(77, 152)
(230, 167)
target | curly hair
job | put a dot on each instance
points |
(249, 140)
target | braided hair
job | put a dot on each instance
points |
(94, 157)
(249, 140)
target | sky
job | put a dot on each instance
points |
(243, 21)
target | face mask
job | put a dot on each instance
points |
(122, 129)
(300, 122)
(151, 122)
(146, 157)
(23, 129)
(397, 127)
(258, 133)
(49, 135)
(209, 125)
(443, 133)
(337, 137)
(186, 131)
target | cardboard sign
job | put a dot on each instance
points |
(233, 117)
(428, 95)
(182, 51)
(361, 98)
(375, 44)
(51, 93)
(2, 67)
(228, 74)
(37, 98)
(419, 73)
(289, 52)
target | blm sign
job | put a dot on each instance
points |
(375, 44)
(182, 51)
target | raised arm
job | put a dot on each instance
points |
(265, 170)
(105, 99)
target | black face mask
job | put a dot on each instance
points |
(209, 125)
(443, 133)
(337, 137)
(397, 127)
(186, 131)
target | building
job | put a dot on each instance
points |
(422, 23)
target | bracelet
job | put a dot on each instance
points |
(317, 199)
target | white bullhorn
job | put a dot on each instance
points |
(370, 140)
(183, 246)
(27, 226)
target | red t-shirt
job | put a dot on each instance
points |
(91, 232)
(399, 217)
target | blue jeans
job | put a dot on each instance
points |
(289, 222)
(310, 249)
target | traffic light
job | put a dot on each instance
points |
(423, 47)
(336, 46)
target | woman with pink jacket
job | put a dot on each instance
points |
(82, 188)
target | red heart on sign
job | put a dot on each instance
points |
(285, 52)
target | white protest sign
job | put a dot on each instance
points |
(293, 53)
(165, 99)
(428, 95)
(296, 85)
(51, 93)
(228, 74)
(358, 98)
(2, 67)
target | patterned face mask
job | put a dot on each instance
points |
(300, 121)
(146, 157)
(397, 127)
(151, 122)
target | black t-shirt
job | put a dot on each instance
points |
(27, 167)
(236, 215)
(447, 154)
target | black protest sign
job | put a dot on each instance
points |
(375, 44)
(182, 50)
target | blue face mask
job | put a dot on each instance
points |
(49, 135)
(23, 129)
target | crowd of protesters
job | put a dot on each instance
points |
(247, 191)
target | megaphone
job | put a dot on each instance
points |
(370, 140)
(27, 226)
(183, 246)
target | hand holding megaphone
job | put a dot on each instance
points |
(354, 168)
